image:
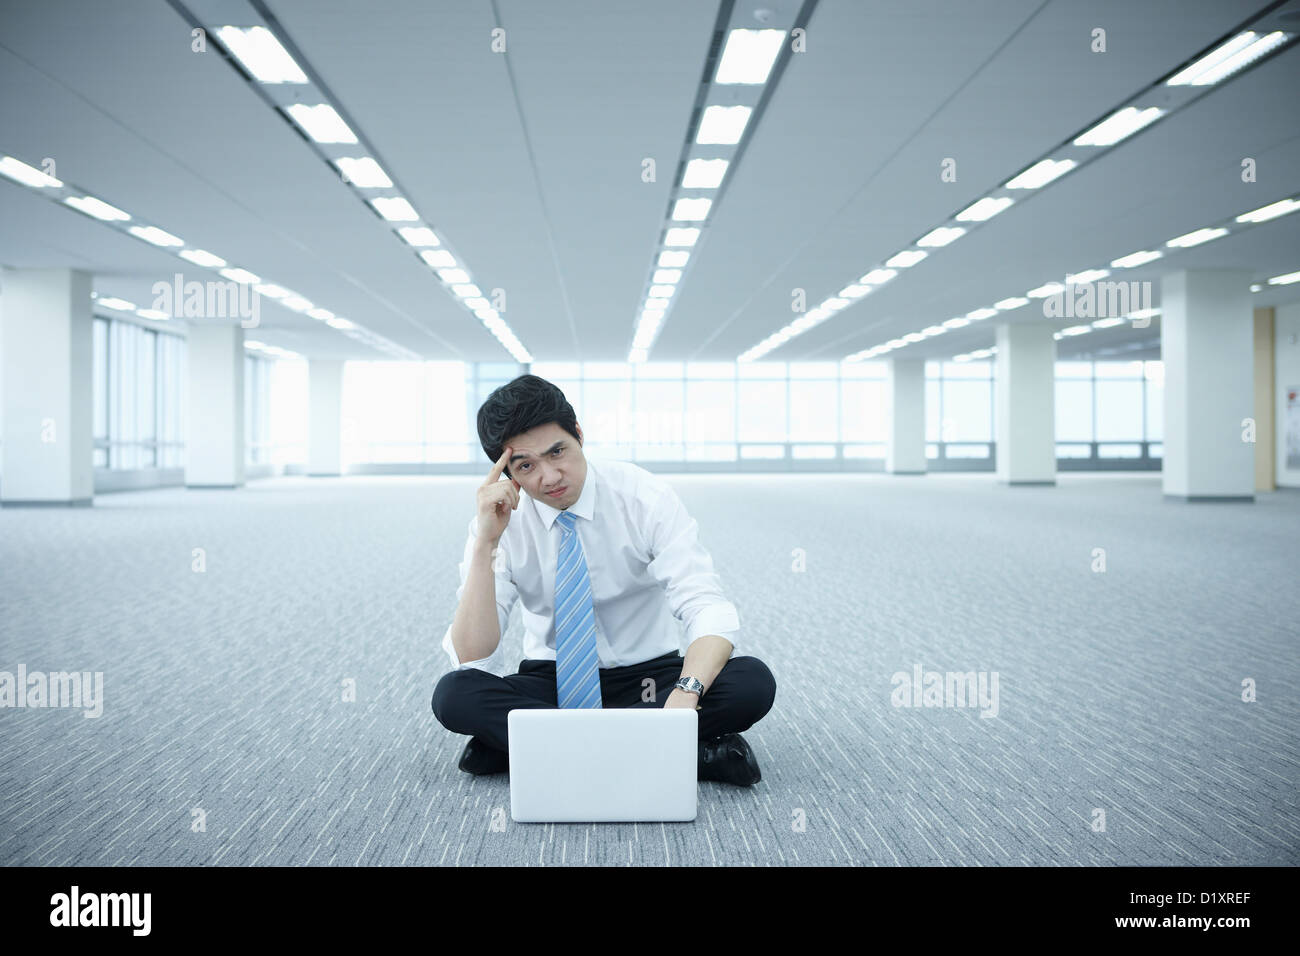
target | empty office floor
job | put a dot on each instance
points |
(225, 738)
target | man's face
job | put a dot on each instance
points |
(548, 459)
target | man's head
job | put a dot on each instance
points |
(534, 419)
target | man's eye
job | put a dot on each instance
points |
(523, 467)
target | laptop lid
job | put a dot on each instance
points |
(626, 764)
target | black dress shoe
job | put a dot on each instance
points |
(480, 758)
(728, 759)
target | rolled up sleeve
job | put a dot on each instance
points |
(685, 570)
(506, 596)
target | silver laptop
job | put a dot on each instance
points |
(616, 765)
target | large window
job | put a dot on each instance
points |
(138, 402)
(257, 409)
(1109, 409)
(405, 412)
(738, 412)
(959, 412)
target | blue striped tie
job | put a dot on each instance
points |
(577, 679)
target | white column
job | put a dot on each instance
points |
(325, 438)
(905, 403)
(1025, 386)
(45, 326)
(1207, 343)
(214, 442)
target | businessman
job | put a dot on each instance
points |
(606, 563)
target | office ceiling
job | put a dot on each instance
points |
(533, 173)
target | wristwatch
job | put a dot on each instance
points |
(690, 685)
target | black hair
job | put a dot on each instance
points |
(516, 407)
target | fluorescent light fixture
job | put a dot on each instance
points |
(339, 324)
(320, 315)
(490, 318)
(97, 208)
(272, 291)
(241, 275)
(667, 276)
(834, 303)
(1041, 173)
(364, 172)
(985, 209)
(1232, 56)
(661, 291)
(477, 303)
(1255, 287)
(395, 209)
(1143, 314)
(748, 56)
(1076, 330)
(681, 237)
(878, 276)
(1107, 323)
(1272, 211)
(27, 175)
(956, 323)
(854, 291)
(691, 210)
(295, 302)
(439, 259)
(1196, 238)
(913, 337)
(673, 260)
(1287, 279)
(158, 237)
(153, 314)
(896, 343)
(467, 290)
(981, 314)
(1088, 275)
(201, 258)
(981, 353)
(704, 173)
(453, 276)
(941, 236)
(1136, 259)
(1043, 291)
(418, 236)
(321, 123)
(254, 345)
(261, 54)
(964, 357)
(119, 305)
(931, 330)
(722, 125)
(906, 258)
(1015, 302)
(1120, 125)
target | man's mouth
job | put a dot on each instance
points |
(557, 492)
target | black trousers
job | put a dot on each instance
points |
(472, 701)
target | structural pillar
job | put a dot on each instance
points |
(905, 404)
(1207, 341)
(215, 443)
(46, 347)
(1025, 387)
(325, 414)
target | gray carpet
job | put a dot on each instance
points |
(1118, 691)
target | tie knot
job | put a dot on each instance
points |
(566, 520)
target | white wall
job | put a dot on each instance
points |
(1286, 375)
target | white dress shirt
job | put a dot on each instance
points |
(652, 582)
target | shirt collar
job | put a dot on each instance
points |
(584, 507)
